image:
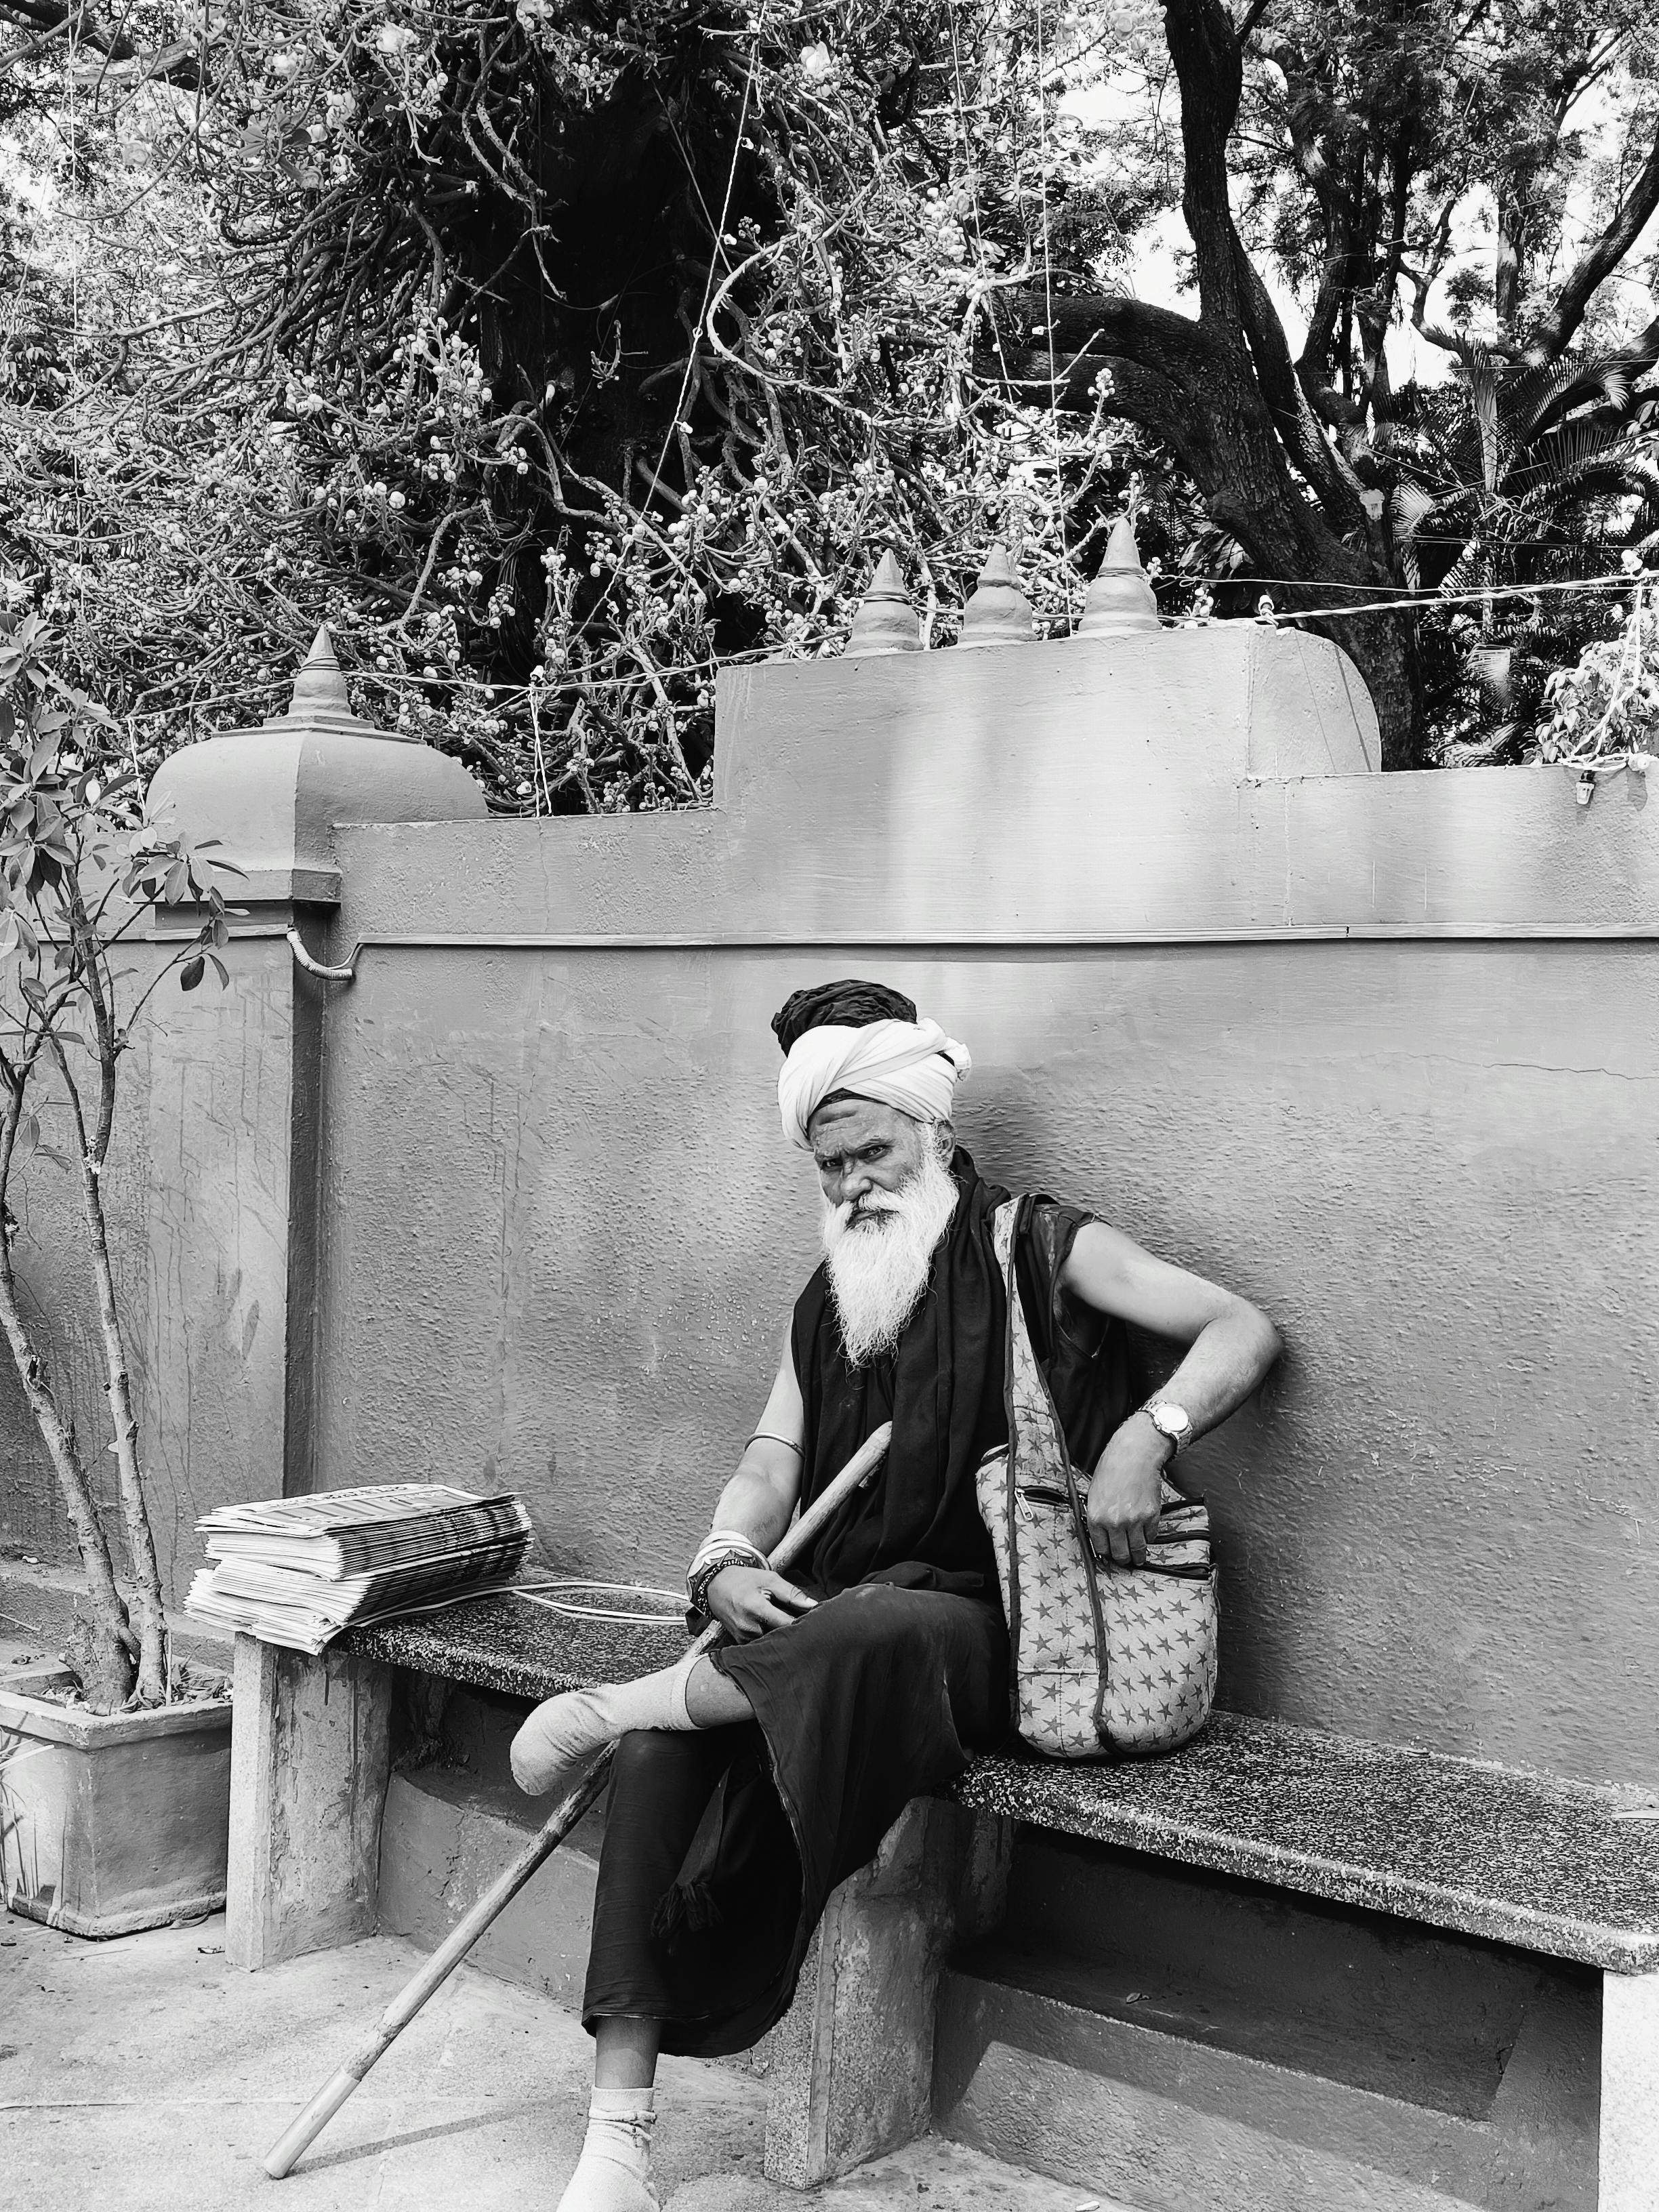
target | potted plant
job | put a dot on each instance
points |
(114, 1766)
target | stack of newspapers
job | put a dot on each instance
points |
(297, 1570)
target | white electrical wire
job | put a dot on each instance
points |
(672, 1604)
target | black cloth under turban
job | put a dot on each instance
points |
(849, 1004)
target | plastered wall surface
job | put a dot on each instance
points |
(1380, 1052)
(564, 1238)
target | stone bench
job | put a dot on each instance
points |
(1533, 1902)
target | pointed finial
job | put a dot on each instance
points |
(999, 613)
(320, 701)
(319, 687)
(1121, 600)
(885, 621)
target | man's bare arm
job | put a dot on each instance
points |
(759, 1503)
(1232, 1344)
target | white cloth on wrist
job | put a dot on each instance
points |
(727, 1547)
(564, 1733)
(613, 2173)
(725, 1539)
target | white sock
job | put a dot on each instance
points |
(613, 2173)
(563, 1734)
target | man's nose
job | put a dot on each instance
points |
(854, 1185)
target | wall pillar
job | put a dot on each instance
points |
(235, 1136)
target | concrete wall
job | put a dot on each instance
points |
(1381, 1053)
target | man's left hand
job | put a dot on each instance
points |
(1126, 1496)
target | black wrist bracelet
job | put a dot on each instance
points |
(696, 1588)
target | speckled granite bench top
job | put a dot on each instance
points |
(505, 1643)
(1529, 1859)
(1551, 1866)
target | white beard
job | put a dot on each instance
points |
(879, 1261)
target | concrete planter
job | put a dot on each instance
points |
(111, 1822)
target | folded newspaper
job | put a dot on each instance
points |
(298, 1571)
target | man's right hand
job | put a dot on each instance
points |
(751, 1599)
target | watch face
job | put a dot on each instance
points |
(1171, 1421)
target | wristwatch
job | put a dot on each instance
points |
(1170, 1420)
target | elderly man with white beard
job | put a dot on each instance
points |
(750, 1780)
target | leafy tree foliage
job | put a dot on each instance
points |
(555, 354)
(1346, 153)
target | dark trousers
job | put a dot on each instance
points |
(680, 1955)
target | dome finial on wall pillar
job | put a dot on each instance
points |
(886, 621)
(271, 795)
(999, 613)
(1121, 602)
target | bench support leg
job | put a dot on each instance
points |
(309, 1760)
(1629, 2093)
(852, 2061)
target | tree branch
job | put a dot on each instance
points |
(1551, 334)
(179, 64)
(1335, 484)
(1094, 323)
(1210, 67)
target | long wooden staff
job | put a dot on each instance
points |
(292, 2143)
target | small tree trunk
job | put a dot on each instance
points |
(105, 1657)
(102, 1667)
(149, 1616)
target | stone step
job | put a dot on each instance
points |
(1175, 2041)
(445, 1836)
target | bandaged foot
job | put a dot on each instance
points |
(562, 1736)
(613, 2173)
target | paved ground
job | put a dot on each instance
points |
(145, 2075)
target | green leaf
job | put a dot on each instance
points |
(192, 972)
(223, 972)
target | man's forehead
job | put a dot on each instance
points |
(846, 1124)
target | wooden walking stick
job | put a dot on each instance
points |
(295, 2141)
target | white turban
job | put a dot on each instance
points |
(911, 1064)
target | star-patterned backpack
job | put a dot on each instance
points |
(1107, 1661)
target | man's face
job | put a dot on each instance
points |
(864, 1151)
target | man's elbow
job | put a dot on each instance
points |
(1273, 1344)
(1265, 1343)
